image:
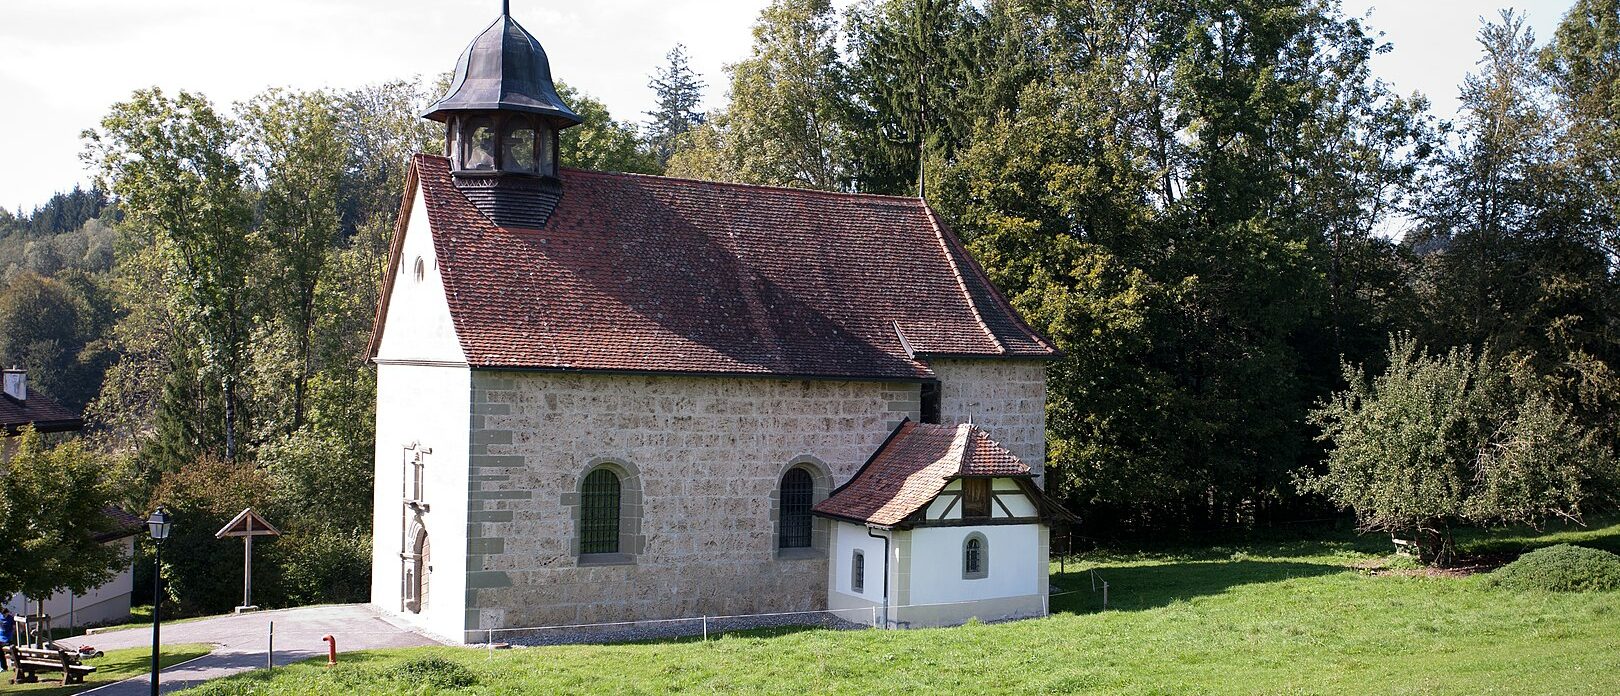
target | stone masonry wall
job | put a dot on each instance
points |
(1005, 398)
(702, 459)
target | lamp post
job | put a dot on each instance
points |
(158, 525)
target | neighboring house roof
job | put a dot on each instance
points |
(639, 273)
(914, 465)
(122, 525)
(38, 410)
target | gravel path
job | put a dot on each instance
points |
(663, 630)
(241, 642)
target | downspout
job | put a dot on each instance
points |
(885, 539)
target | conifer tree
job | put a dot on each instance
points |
(680, 93)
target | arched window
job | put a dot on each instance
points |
(599, 513)
(478, 145)
(975, 557)
(857, 572)
(795, 499)
(517, 144)
(419, 271)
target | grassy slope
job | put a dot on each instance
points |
(1281, 617)
(116, 665)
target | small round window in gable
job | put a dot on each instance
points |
(421, 270)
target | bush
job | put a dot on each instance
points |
(434, 672)
(319, 566)
(1561, 568)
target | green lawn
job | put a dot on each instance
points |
(116, 665)
(1245, 617)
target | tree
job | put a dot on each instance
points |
(170, 163)
(1440, 440)
(788, 121)
(50, 327)
(912, 68)
(679, 93)
(295, 145)
(600, 142)
(54, 507)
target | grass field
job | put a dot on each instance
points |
(116, 665)
(1276, 616)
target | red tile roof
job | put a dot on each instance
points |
(911, 469)
(646, 273)
(38, 410)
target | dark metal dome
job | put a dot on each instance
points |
(504, 69)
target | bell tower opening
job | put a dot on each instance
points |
(502, 116)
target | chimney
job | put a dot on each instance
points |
(16, 383)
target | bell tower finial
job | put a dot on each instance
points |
(506, 8)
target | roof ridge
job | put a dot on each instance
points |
(998, 297)
(950, 260)
(738, 184)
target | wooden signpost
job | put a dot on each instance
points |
(247, 525)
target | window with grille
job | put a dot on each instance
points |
(857, 572)
(795, 499)
(975, 557)
(599, 513)
(975, 498)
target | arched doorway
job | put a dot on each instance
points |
(418, 573)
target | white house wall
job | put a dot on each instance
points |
(108, 603)
(936, 563)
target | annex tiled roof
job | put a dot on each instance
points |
(39, 410)
(645, 273)
(912, 468)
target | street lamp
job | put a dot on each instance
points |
(158, 525)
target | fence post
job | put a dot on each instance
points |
(1105, 595)
(489, 640)
(705, 627)
(270, 651)
(874, 616)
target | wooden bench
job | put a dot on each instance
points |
(28, 663)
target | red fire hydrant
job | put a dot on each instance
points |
(331, 649)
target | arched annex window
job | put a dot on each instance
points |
(599, 512)
(795, 498)
(857, 572)
(975, 557)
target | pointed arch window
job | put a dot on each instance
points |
(599, 512)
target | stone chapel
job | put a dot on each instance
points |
(611, 397)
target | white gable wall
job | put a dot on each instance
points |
(1013, 502)
(423, 399)
(417, 326)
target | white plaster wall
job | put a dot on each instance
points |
(1016, 563)
(1006, 398)
(418, 325)
(852, 537)
(429, 406)
(108, 603)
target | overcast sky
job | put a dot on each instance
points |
(63, 62)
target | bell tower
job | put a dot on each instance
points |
(502, 115)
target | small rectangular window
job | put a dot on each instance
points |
(930, 402)
(975, 498)
(857, 578)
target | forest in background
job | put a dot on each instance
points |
(1212, 207)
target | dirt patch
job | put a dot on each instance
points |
(1403, 566)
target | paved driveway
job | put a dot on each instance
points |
(241, 642)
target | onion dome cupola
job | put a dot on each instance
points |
(502, 115)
